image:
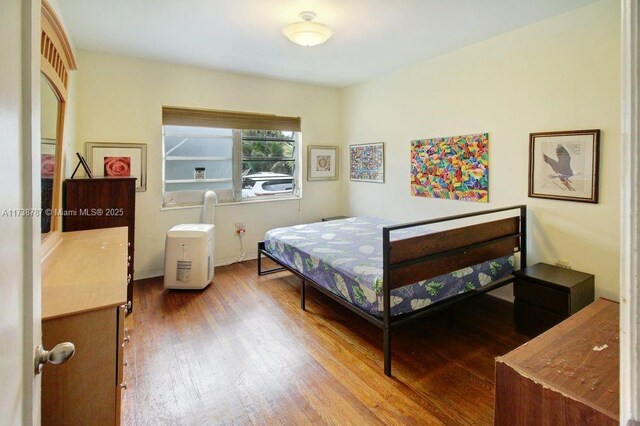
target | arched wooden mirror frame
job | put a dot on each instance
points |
(56, 62)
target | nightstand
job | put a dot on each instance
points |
(326, 219)
(546, 295)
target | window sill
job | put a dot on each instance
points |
(233, 203)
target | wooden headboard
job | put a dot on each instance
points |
(426, 256)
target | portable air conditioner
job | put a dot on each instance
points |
(188, 261)
(189, 251)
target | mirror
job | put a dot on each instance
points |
(49, 119)
(56, 63)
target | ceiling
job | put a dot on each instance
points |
(371, 37)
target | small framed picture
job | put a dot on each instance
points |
(322, 162)
(564, 165)
(366, 162)
(85, 165)
(119, 160)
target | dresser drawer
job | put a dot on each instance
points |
(533, 320)
(545, 297)
(81, 391)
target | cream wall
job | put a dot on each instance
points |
(559, 74)
(120, 99)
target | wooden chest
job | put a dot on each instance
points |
(102, 203)
(566, 376)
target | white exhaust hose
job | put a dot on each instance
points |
(209, 207)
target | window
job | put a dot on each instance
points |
(240, 156)
(268, 162)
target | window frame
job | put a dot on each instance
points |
(193, 198)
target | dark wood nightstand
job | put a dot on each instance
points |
(326, 219)
(546, 295)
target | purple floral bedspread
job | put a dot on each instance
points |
(345, 257)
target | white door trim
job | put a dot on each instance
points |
(32, 329)
(630, 210)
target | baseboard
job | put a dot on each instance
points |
(143, 275)
(224, 261)
(152, 273)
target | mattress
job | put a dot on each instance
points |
(345, 257)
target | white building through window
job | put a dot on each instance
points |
(229, 153)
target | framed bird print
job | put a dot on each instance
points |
(564, 165)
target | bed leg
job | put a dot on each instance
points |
(386, 332)
(302, 294)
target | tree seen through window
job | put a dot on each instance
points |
(267, 151)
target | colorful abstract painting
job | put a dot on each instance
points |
(453, 168)
(366, 162)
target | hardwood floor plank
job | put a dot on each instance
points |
(243, 352)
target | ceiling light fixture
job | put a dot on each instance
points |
(307, 33)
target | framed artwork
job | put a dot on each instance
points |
(119, 159)
(564, 165)
(366, 162)
(452, 168)
(322, 162)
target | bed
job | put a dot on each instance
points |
(390, 273)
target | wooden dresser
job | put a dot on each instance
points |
(84, 288)
(569, 375)
(102, 203)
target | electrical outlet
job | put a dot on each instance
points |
(563, 264)
(241, 228)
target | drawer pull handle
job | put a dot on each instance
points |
(123, 385)
(125, 364)
(129, 279)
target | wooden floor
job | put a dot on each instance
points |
(243, 352)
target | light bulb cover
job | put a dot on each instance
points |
(307, 33)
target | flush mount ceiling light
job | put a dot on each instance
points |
(307, 33)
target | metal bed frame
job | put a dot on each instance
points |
(419, 258)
